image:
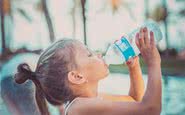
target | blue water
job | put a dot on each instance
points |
(173, 96)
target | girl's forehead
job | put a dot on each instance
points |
(82, 49)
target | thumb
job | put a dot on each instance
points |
(130, 61)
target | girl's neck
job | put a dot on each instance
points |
(89, 90)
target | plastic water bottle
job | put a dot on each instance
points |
(125, 48)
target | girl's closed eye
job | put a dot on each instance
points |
(90, 54)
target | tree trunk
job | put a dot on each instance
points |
(146, 9)
(48, 20)
(2, 27)
(73, 15)
(84, 20)
(166, 24)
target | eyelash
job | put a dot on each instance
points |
(90, 54)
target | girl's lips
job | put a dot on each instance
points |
(106, 64)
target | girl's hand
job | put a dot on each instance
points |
(148, 48)
(133, 62)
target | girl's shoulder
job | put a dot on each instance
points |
(99, 106)
(84, 106)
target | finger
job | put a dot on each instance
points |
(136, 57)
(130, 61)
(137, 40)
(146, 39)
(152, 41)
(141, 38)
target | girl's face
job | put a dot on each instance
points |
(90, 64)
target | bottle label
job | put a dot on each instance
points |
(125, 48)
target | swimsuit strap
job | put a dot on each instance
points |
(67, 105)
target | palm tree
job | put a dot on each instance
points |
(146, 9)
(76, 4)
(79, 3)
(116, 5)
(2, 26)
(5, 10)
(74, 19)
(48, 20)
(83, 3)
(160, 14)
(166, 23)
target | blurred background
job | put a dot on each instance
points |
(30, 26)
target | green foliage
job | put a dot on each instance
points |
(159, 14)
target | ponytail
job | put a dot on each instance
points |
(41, 102)
(25, 73)
(51, 74)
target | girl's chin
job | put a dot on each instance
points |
(107, 73)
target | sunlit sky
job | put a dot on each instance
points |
(103, 27)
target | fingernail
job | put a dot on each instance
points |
(137, 35)
(151, 33)
(141, 29)
(140, 35)
(129, 62)
(145, 29)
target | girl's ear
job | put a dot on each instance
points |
(75, 78)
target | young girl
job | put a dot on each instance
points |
(68, 73)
